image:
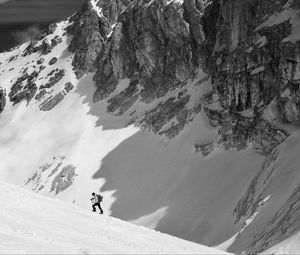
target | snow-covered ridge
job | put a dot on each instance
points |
(33, 224)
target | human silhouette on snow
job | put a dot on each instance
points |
(96, 199)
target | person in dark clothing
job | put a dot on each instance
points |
(96, 199)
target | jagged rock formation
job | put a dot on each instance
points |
(163, 113)
(251, 67)
(150, 44)
(51, 102)
(24, 88)
(2, 99)
(89, 32)
(205, 149)
(60, 176)
(46, 46)
(160, 45)
(90, 29)
(64, 179)
(112, 9)
(58, 75)
(201, 17)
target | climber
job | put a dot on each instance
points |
(96, 199)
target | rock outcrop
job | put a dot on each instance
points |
(160, 45)
(150, 44)
(60, 174)
(24, 88)
(253, 63)
(41, 44)
(112, 9)
(2, 99)
(64, 179)
(51, 102)
(58, 75)
(89, 31)
(205, 148)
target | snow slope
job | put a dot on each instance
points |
(275, 191)
(147, 179)
(34, 224)
(288, 246)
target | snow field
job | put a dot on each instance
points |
(33, 224)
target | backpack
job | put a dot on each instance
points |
(100, 198)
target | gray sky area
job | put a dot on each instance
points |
(21, 19)
(18, 11)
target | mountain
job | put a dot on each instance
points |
(36, 224)
(184, 114)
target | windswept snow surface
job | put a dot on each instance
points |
(33, 224)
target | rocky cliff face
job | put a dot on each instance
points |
(150, 44)
(2, 99)
(161, 46)
(254, 63)
(249, 51)
(90, 29)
